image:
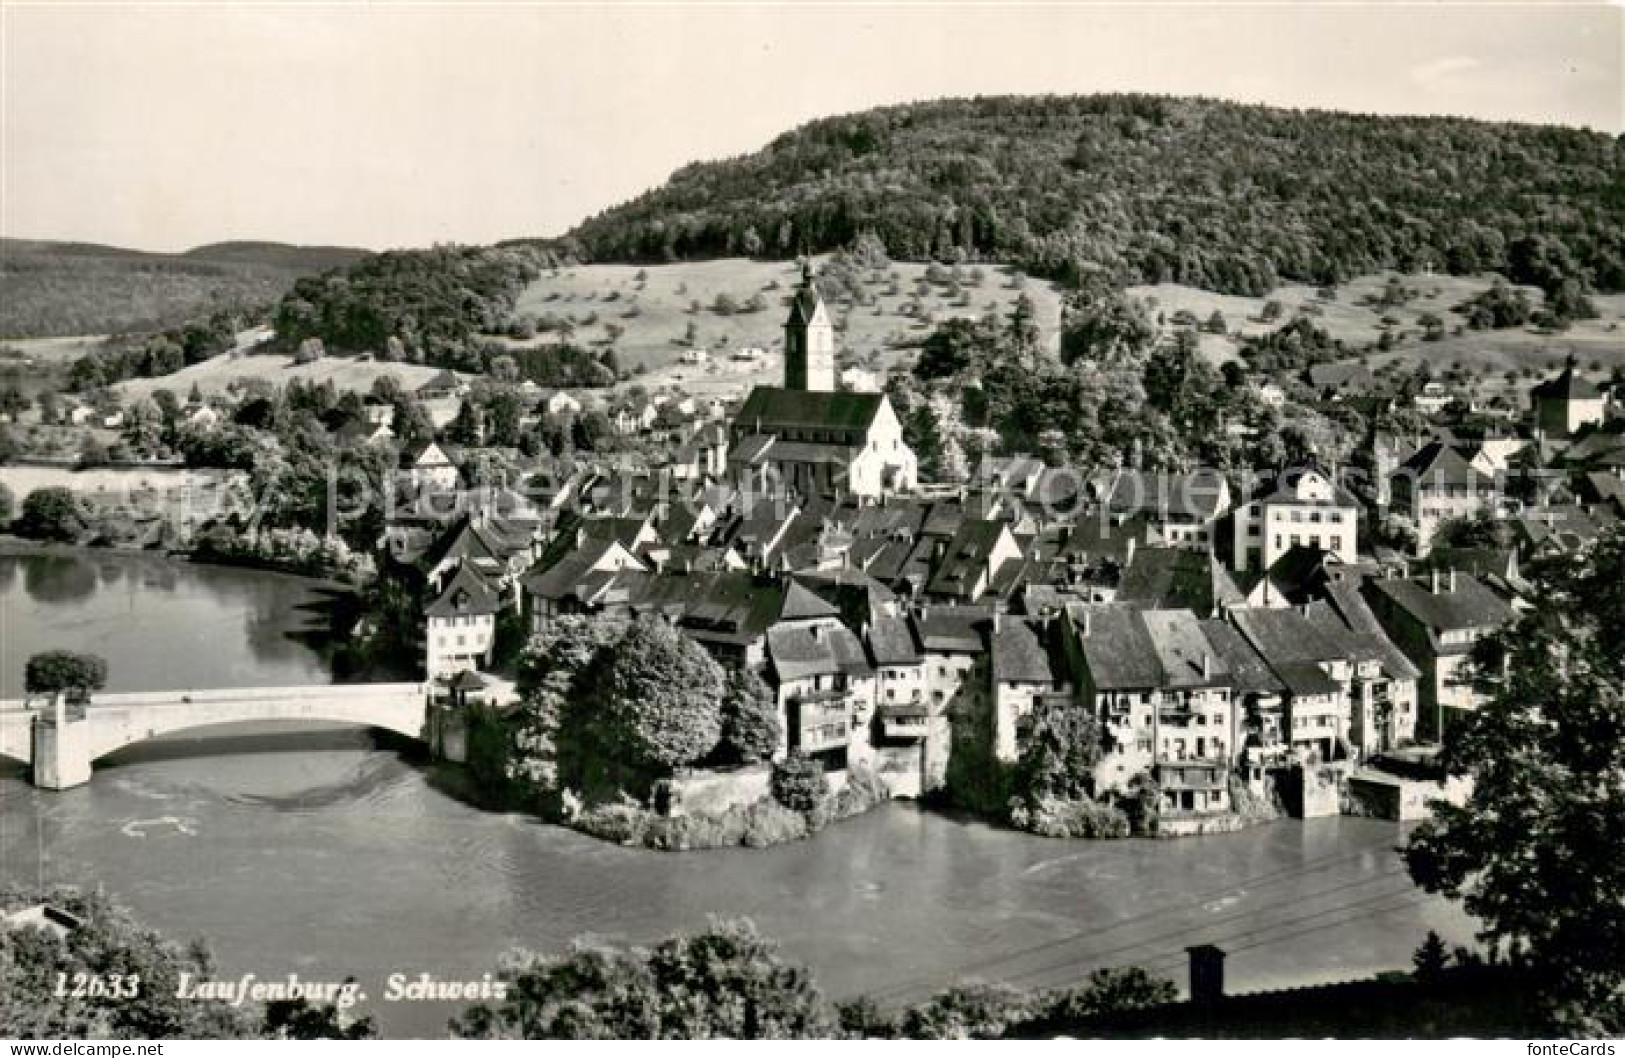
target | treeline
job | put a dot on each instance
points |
(435, 304)
(1149, 189)
(50, 289)
(155, 355)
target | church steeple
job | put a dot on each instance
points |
(809, 339)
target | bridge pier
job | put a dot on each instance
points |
(61, 746)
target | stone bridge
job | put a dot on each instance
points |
(61, 741)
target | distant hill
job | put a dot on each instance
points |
(1147, 189)
(69, 288)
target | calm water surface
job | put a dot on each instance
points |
(328, 853)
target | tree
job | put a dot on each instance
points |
(108, 942)
(1430, 958)
(64, 670)
(12, 401)
(798, 782)
(1537, 851)
(8, 504)
(725, 982)
(50, 514)
(750, 718)
(659, 695)
(300, 1019)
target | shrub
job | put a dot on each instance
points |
(798, 782)
(863, 791)
(1055, 818)
(621, 822)
(769, 823)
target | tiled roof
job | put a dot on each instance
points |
(1437, 463)
(1160, 578)
(1199, 494)
(801, 604)
(952, 629)
(1022, 653)
(1186, 657)
(1470, 605)
(770, 409)
(1116, 646)
(827, 648)
(891, 642)
(468, 593)
(1249, 673)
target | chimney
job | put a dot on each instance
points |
(995, 621)
(1452, 582)
(1207, 665)
(1434, 578)
(1087, 620)
(1207, 974)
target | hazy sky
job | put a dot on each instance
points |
(371, 125)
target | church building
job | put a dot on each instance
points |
(809, 437)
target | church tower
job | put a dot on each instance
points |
(809, 340)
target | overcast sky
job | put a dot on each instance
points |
(164, 128)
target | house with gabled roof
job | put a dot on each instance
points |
(461, 623)
(1162, 695)
(826, 688)
(970, 563)
(1436, 620)
(1302, 507)
(600, 573)
(1027, 666)
(433, 464)
(1566, 404)
(1437, 484)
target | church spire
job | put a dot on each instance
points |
(809, 338)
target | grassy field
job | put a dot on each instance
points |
(656, 310)
(213, 376)
(1349, 315)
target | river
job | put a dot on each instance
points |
(327, 852)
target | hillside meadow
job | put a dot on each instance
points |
(653, 306)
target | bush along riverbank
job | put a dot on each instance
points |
(1053, 788)
(632, 733)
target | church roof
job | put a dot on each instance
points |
(771, 408)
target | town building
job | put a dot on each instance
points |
(1567, 403)
(1438, 484)
(1301, 507)
(461, 624)
(809, 439)
(1436, 621)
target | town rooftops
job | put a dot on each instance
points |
(1023, 652)
(1461, 602)
(800, 604)
(467, 594)
(891, 642)
(1116, 646)
(823, 649)
(1186, 657)
(1249, 673)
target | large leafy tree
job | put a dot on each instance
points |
(750, 717)
(660, 696)
(51, 514)
(63, 670)
(1537, 852)
(726, 982)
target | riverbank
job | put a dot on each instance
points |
(11, 545)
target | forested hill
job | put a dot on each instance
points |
(59, 288)
(1219, 195)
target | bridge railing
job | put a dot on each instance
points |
(200, 696)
